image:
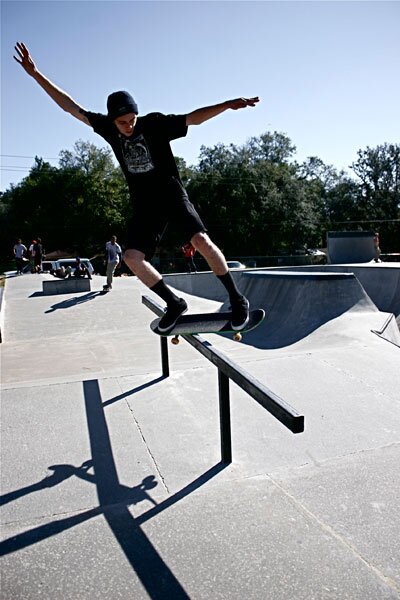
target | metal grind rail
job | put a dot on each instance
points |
(227, 370)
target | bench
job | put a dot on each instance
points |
(71, 285)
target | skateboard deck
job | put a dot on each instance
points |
(218, 322)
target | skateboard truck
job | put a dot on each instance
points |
(237, 337)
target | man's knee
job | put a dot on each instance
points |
(202, 243)
(133, 257)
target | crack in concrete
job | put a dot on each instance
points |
(152, 457)
(333, 533)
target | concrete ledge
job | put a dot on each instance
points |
(293, 275)
(66, 286)
(1, 313)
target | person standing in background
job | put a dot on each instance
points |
(38, 256)
(377, 249)
(19, 251)
(31, 254)
(113, 260)
(189, 252)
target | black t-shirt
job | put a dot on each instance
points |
(38, 249)
(145, 157)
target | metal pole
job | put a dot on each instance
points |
(277, 407)
(164, 356)
(225, 418)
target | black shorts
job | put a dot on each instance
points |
(151, 217)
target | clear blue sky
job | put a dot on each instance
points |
(327, 72)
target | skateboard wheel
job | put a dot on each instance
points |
(175, 340)
(237, 337)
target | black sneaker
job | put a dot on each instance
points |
(172, 314)
(240, 313)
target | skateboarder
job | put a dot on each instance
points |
(113, 260)
(142, 148)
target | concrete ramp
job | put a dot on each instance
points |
(202, 285)
(300, 302)
(381, 281)
(297, 304)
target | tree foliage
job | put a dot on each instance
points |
(76, 206)
(255, 198)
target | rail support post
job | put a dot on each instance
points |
(164, 356)
(227, 370)
(225, 418)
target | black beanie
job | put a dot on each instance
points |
(119, 104)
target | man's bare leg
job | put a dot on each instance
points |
(148, 275)
(217, 263)
(138, 264)
(211, 253)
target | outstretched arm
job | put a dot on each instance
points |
(59, 96)
(208, 112)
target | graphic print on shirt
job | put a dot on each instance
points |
(136, 154)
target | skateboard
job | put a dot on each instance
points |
(219, 322)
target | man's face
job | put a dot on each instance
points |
(126, 124)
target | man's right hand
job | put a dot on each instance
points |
(60, 97)
(24, 58)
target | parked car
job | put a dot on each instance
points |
(71, 262)
(235, 264)
(318, 257)
(49, 266)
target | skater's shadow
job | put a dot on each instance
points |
(114, 500)
(73, 301)
(62, 472)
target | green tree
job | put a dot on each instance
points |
(379, 171)
(97, 195)
(75, 207)
(24, 206)
(253, 198)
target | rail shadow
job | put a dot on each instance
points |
(114, 501)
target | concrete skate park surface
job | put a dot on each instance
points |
(112, 482)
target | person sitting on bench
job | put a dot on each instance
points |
(80, 270)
